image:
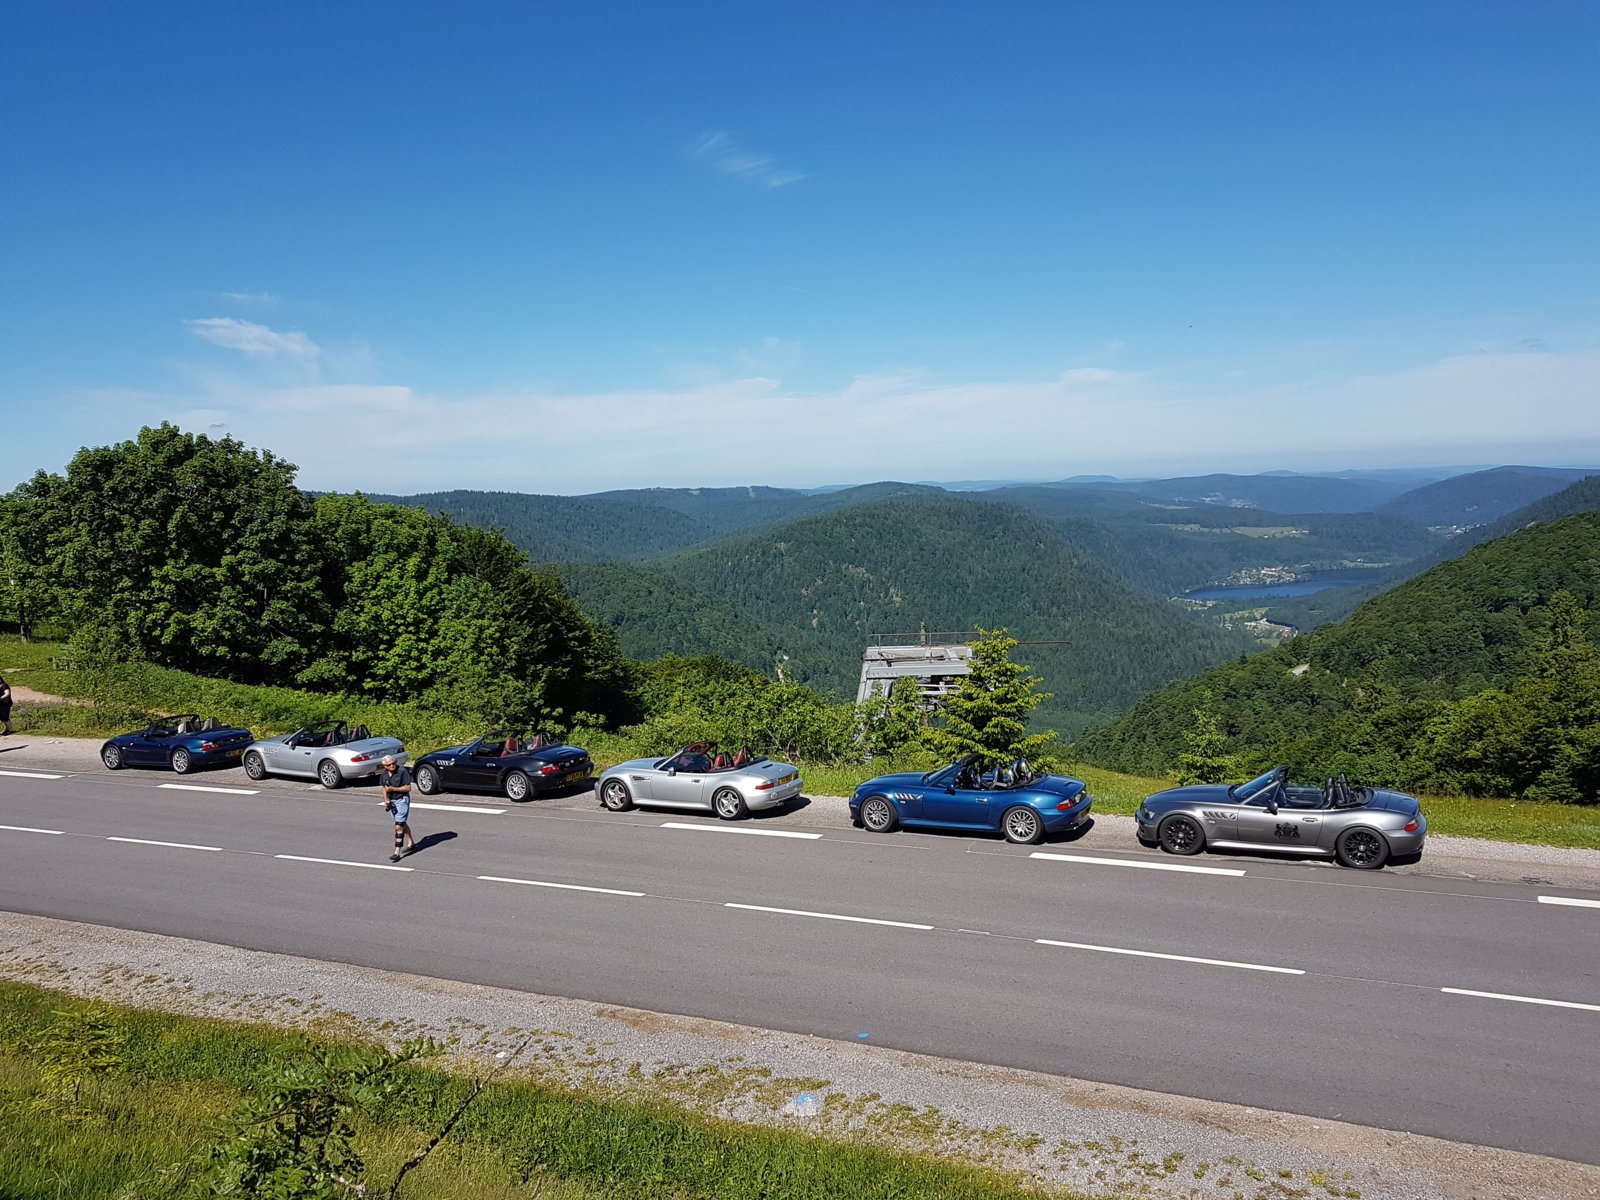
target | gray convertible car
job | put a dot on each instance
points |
(701, 777)
(1362, 827)
(330, 752)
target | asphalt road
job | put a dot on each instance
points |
(1451, 1007)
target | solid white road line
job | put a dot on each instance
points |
(339, 862)
(788, 833)
(1206, 962)
(173, 845)
(456, 808)
(30, 829)
(1521, 999)
(566, 887)
(1571, 900)
(1133, 862)
(800, 912)
(30, 775)
(195, 787)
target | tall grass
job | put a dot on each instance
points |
(179, 1074)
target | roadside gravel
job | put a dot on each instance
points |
(1095, 1138)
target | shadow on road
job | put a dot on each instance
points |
(433, 839)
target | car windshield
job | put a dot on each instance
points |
(1245, 792)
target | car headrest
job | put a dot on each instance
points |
(720, 762)
(741, 758)
(538, 742)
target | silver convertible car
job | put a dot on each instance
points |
(701, 777)
(1362, 827)
(330, 752)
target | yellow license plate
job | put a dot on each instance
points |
(789, 778)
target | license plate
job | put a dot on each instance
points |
(789, 778)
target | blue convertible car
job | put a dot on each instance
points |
(1012, 799)
(183, 743)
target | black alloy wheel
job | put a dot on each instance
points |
(1181, 835)
(1022, 825)
(878, 815)
(1362, 849)
(729, 804)
(615, 796)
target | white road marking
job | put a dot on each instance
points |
(30, 829)
(30, 775)
(173, 845)
(1207, 962)
(457, 808)
(567, 887)
(800, 912)
(195, 787)
(788, 833)
(1143, 866)
(339, 862)
(1521, 999)
(1572, 900)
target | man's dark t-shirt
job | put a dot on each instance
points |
(399, 777)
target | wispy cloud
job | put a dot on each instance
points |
(723, 155)
(251, 338)
(265, 299)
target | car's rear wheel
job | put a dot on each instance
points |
(328, 774)
(428, 781)
(1021, 825)
(614, 795)
(518, 785)
(878, 815)
(1363, 849)
(112, 757)
(729, 804)
(1181, 835)
(254, 767)
(181, 762)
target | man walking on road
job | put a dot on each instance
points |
(395, 783)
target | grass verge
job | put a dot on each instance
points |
(131, 1131)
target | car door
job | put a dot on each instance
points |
(476, 769)
(687, 788)
(1288, 827)
(140, 750)
(958, 804)
(300, 759)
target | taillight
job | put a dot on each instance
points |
(1066, 804)
(765, 784)
(549, 769)
(1411, 825)
(208, 745)
(362, 757)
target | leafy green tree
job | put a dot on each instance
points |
(80, 1046)
(895, 724)
(1205, 758)
(988, 715)
(29, 589)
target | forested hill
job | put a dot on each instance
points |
(1480, 497)
(1278, 492)
(1435, 663)
(1338, 603)
(820, 589)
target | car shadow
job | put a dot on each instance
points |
(432, 840)
(787, 808)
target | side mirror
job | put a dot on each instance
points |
(1272, 807)
(672, 770)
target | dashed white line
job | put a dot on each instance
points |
(800, 912)
(456, 808)
(1206, 962)
(566, 887)
(1133, 862)
(30, 775)
(172, 845)
(195, 787)
(339, 862)
(784, 833)
(1569, 900)
(1521, 999)
(30, 829)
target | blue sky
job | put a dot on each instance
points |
(563, 247)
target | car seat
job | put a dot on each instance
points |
(360, 734)
(183, 727)
(720, 763)
(537, 743)
(742, 758)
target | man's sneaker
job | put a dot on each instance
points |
(394, 858)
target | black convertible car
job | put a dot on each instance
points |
(520, 766)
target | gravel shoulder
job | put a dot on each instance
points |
(1096, 1138)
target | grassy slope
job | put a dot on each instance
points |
(518, 1138)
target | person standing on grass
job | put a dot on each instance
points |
(395, 783)
(5, 703)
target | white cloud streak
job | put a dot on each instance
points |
(252, 339)
(723, 155)
(265, 299)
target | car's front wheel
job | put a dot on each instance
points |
(614, 795)
(1363, 849)
(1181, 835)
(1021, 825)
(328, 774)
(878, 815)
(112, 757)
(729, 804)
(518, 785)
(181, 762)
(254, 766)
(428, 781)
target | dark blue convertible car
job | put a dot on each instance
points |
(184, 743)
(1013, 799)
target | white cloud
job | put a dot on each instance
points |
(719, 151)
(251, 338)
(266, 299)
